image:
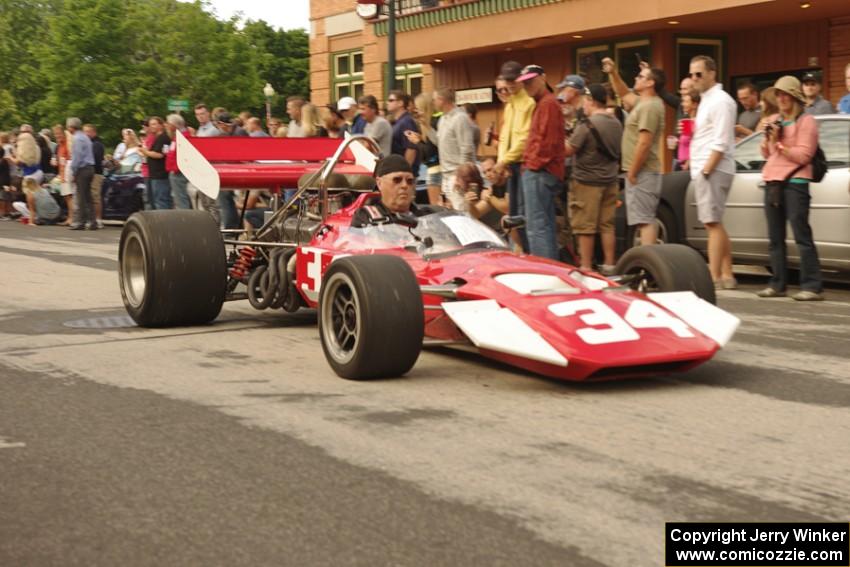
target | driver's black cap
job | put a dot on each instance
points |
(392, 164)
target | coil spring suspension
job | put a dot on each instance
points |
(243, 264)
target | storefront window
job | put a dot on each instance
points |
(347, 78)
(624, 53)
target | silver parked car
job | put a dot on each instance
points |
(745, 220)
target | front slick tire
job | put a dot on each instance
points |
(371, 318)
(668, 267)
(172, 268)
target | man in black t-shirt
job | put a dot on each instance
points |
(160, 187)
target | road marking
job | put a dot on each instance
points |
(4, 444)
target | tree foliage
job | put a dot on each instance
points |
(113, 62)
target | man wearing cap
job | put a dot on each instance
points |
(643, 129)
(516, 123)
(571, 96)
(712, 165)
(397, 184)
(594, 186)
(815, 103)
(571, 90)
(543, 160)
(347, 108)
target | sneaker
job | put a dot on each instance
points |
(99, 223)
(76, 227)
(5, 218)
(607, 270)
(92, 226)
(770, 292)
(726, 283)
(807, 296)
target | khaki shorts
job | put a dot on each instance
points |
(642, 198)
(96, 184)
(711, 195)
(592, 207)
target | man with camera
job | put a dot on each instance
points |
(643, 129)
(712, 165)
(595, 143)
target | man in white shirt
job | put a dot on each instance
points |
(712, 165)
(293, 109)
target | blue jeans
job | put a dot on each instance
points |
(147, 196)
(161, 191)
(539, 189)
(229, 214)
(794, 209)
(515, 199)
(179, 192)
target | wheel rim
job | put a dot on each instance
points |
(341, 318)
(662, 234)
(644, 282)
(134, 270)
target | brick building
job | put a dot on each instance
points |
(462, 43)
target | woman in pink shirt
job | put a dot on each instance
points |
(789, 145)
(690, 103)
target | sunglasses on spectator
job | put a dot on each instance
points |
(399, 179)
(697, 75)
(503, 90)
(392, 99)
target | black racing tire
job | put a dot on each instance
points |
(668, 228)
(371, 318)
(172, 268)
(668, 267)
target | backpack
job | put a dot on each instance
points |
(819, 166)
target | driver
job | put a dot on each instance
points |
(397, 185)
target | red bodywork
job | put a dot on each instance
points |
(590, 333)
(657, 351)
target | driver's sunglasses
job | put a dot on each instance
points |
(399, 179)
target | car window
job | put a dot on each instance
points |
(834, 138)
(748, 156)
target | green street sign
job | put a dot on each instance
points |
(178, 104)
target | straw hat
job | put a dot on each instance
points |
(791, 86)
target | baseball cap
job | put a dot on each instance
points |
(598, 93)
(510, 70)
(224, 117)
(810, 77)
(345, 103)
(529, 72)
(573, 81)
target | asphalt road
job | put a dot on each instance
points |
(234, 443)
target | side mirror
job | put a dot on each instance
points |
(407, 220)
(510, 223)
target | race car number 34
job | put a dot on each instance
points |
(606, 326)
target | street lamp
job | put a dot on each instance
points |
(268, 90)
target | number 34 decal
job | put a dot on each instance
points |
(606, 326)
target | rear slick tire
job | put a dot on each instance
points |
(371, 318)
(172, 268)
(668, 267)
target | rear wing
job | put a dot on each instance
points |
(212, 164)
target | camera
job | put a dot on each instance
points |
(774, 127)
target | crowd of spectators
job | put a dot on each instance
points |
(560, 153)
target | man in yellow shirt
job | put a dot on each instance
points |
(516, 123)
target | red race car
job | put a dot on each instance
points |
(385, 290)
